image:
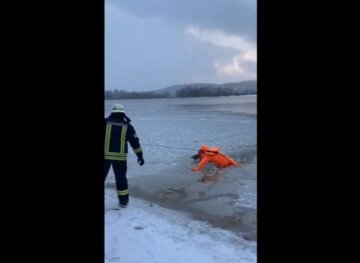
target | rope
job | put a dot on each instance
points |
(192, 149)
(171, 147)
(225, 137)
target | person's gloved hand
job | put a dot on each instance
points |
(195, 157)
(141, 161)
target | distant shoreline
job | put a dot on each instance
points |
(194, 90)
(181, 97)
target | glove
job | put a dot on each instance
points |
(141, 161)
(194, 169)
(195, 157)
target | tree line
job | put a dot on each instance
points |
(212, 92)
(187, 91)
(123, 94)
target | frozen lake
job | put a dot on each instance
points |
(170, 132)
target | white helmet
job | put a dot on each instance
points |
(118, 108)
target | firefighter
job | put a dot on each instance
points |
(119, 131)
(212, 155)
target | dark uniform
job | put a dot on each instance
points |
(119, 131)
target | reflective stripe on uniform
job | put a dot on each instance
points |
(123, 192)
(107, 137)
(115, 158)
(123, 139)
(116, 154)
(137, 150)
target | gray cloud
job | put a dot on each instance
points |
(146, 46)
(231, 16)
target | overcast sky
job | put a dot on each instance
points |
(153, 44)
